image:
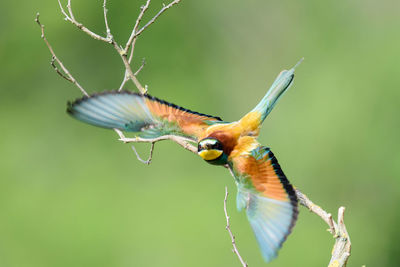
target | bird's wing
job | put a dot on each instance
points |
(268, 197)
(147, 115)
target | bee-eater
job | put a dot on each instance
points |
(263, 189)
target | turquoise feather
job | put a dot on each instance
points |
(277, 89)
(271, 220)
(129, 112)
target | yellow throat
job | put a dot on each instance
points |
(210, 154)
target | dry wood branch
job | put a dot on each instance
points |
(182, 141)
(132, 42)
(105, 11)
(126, 76)
(165, 7)
(341, 249)
(109, 39)
(133, 35)
(141, 67)
(228, 228)
(71, 18)
(130, 45)
(53, 64)
(54, 59)
(148, 161)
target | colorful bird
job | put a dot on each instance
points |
(263, 189)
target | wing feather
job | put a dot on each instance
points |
(267, 196)
(149, 116)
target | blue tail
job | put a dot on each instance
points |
(277, 89)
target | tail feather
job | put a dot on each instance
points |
(277, 89)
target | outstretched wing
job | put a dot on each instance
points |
(268, 197)
(147, 115)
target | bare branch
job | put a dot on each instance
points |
(129, 72)
(54, 59)
(71, 18)
(129, 75)
(141, 67)
(228, 228)
(70, 10)
(180, 140)
(135, 28)
(105, 10)
(126, 77)
(131, 43)
(148, 161)
(53, 64)
(327, 217)
(341, 249)
(165, 7)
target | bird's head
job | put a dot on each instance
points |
(211, 150)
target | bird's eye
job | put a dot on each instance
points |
(209, 148)
(209, 143)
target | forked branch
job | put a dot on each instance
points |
(148, 161)
(342, 248)
(130, 44)
(182, 141)
(68, 76)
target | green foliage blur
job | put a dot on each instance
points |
(72, 195)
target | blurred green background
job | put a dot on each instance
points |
(72, 195)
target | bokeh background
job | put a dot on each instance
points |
(72, 195)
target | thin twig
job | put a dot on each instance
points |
(135, 28)
(141, 67)
(228, 228)
(129, 75)
(327, 217)
(148, 161)
(53, 64)
(132, 42)
(180, 140)
(105, 10)
(126, 78)
(128, 69)
(71, 18)
(165, 7)
(67, 75)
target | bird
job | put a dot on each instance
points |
(264, 192)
